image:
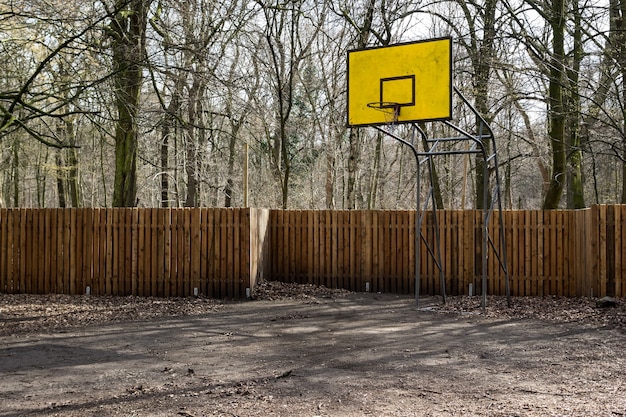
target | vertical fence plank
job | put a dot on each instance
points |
(541, 254)
(204, 251)
(185, 225)
(567, 243)
(620, 267)
(223, 251)
(141, 253)
(114, 249)
(530, 284)
(456, 258)
(216, 253)
(352, 226)
(61, 251)
(120, 247)
(299, 246)
(286, 246)
(602, 244)
(350, 252)
(195, 250)
(380, 252)
(108, 250)
(404, 245)
(552, 238)
(16, 246)
(8, 252)
(131, 225)
(178, 251)
(176, 263)
(517, 273)
(210, 253)
(447, 249)
(48, 254)
(385, 285)
(278, 254)
(127, 227)
(154, 260)
(366, 249)
(336, 224)
(75, 240)
(611, 255)
(593, 288)
(275, 272)
(558, 251)
(310, 219)
(289, 242)
(321, 244)
(328, 239)
(547, 254)
(534, 253)
(302, 246)
(343, 252)
(316, 246)
(158, 251)
(400, 252)
(4, 281)
(33, 230)
(465, 251)
(251, 224)
(238, 217)
(94, 250)
(230, 262)
(87, 245)
(28, 249)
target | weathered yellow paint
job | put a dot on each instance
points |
(417, 75)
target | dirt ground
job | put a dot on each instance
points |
(324, 354)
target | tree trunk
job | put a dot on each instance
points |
(128, 29)
(15, 171)
(285, 163)
(71, 160)
(483, 66)
(330, 178)
(192, 167)
(354, 149)
(61, 178)
(373, 192)
(354, 152)
(228, 191)
(164, 156)
(168, 129)
(556, 108)
(575, 191)
(621, 26)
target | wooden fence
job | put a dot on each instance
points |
(145, 252)
(565, 253)
(222, 252)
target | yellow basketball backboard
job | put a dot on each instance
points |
(413, 79)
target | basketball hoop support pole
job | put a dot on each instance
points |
(484, 133)
(418, 217)
(417, 209)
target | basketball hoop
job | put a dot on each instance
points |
(391, 110)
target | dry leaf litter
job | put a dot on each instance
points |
(21, 313)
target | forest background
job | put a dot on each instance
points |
(229, 103)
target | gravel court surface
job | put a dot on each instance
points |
(350, 355)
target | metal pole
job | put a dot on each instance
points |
(485, 219)
(417, 234)
(417, 210)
